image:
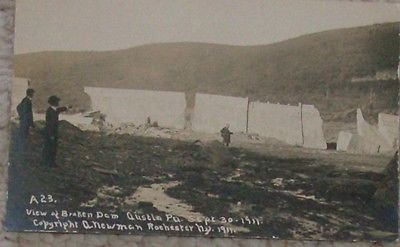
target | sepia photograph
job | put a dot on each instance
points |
(273, 119)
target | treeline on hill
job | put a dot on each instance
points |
(315, 69)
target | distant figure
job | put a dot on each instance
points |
(51, 132)
(25, 114)
(148, 122)
(226, 135)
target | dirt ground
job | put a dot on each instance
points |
(299, 193)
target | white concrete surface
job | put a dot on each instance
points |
(343, 141)
(281, 122)
(213, 112)
(79, 120)
(388, 126)
(76, 119)
(370, 139)
(135, 106)
(294, 125)
(312, 128)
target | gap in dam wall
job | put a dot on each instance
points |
(295, 125)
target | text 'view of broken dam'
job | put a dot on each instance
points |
(294, 140)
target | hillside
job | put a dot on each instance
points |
(315, 68)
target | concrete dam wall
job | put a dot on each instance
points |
(135, 106)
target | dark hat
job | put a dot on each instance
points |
(30, 91)
(53, 100)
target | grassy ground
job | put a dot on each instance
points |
(299, 193)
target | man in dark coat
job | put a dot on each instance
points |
(226, 135)
(25, 114)
(51, 132)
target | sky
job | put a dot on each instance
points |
(117, 24)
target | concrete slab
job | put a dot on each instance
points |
(312, 128)
(388, 126)
(281, 122)
(135, 106)
(213, 112)
(344, 140)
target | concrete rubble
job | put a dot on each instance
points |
(344, 139)
(370, 139)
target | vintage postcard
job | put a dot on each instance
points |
(257, 119)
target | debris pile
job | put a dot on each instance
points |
(140, 130)
(381, 139)
(298, 194)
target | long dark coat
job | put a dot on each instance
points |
(25, 113)
(51, 136)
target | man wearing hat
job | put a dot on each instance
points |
(25, 114)
(51, 131)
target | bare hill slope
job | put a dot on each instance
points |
(313, 69)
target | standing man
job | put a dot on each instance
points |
(25, 114)
(51, 132)
(226, 135)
